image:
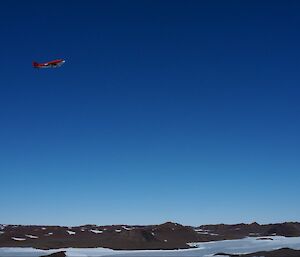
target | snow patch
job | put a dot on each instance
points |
(203, 232)
(18, 239)
(2, 226)
(127, 228)
(32, 237)
(71, 232)
(198, 229)
(254, 234)
(96, 231)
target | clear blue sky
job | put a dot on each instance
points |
(164, 110)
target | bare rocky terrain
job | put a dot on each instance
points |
(124, 237)
(284, 252)
(59, 254)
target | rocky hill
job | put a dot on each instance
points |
(124, 237)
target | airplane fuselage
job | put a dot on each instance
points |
(52, 64)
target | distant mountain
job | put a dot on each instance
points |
(124, 237)
(288, 229)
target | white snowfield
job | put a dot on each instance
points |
(246, 245)
(32, 237)
(127, 228)
(96, 231)
(18, 239)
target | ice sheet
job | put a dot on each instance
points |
(246, 245)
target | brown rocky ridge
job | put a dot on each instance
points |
(128, 237)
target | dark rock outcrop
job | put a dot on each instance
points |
(284, 252)
(58, 254)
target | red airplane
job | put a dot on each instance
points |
(51, 64)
